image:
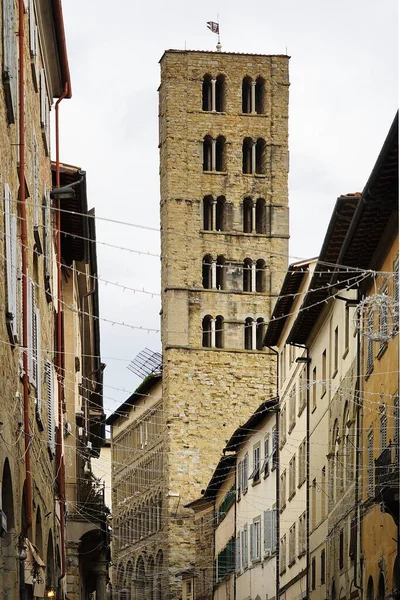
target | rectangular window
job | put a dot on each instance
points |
(237, 561)
(384, 321)
(371, 464)
(10, 227)
(336, 351)
(255, 539)
(346, 328)
(10, 67)
(244, 548)
(313, 573)
(292, 477)
(270, 523)
(274, 448)
(282, 491)
(323, 383)
(302, 534)
(302, 462)
(51, 424)
(314, 388)
(314, 504)
(292, 544)
(44, 112)
(282, 555)
(322, 567)
(282, 423)
(396, 296)
(341, 549)
(302, 391)
(265, 466)
(353, 538)
(292, 408)
(245, 473)
(239, 479)
(255, 474)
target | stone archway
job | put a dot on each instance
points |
(8, 572)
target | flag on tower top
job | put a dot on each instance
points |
(213, 26)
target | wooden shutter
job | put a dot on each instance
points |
(10, 60)
(47, 242)
(32, 334)
(10, 227)
(34, 45)
(38, 365)
(268, 530)
(51, 432)
(238, 553)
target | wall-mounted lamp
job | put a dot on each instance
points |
(63, 193)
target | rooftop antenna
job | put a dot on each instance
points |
(146, 363)
(219, 46)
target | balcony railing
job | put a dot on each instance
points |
(387, 480)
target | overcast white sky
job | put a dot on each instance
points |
(343, 97)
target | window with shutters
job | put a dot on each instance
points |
(239, 479)
(34, 45)
(245, 473)
(292, 545)
(313, 573)
(244, 548)
(270, 524)
(302, 462)
(353, 538)
(44, 112)
(396, 296)
(302, 534)
(323, 570)
(10, 66)
(282, 555)
(274, 449)
(292, 477)
(255, 474)
(383, 428)
(282, 423)
(370, 453)
(282, 491)
(10, 226)
(32, 333)
(47, 244)
(324, 374)
(39, 417)
(265, 469)
(51, 428)
(370, 344)
(255, 540)
(397, 427)
(341, 549)
(383, 322)
(237, 555)
(292, 408)
(302, 391)
(314, 389)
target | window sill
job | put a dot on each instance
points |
(301, 483)
(256, 560)
(314, 408)
(368, 373)
(213, 112)
(345, 353)
(323, 393)
(251, 114)
(302, 553)
(282, 508)
(291, 563)
(255, 482)
(301, 410)
(258, 175)
(266, 475)
(292, 495)
(291, 427)
(215, 173)
(335, 372)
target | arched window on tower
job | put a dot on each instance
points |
(261, 216)
(207, 153)
(220, 214)
(246, 95)
(260, 156)
(208, 224)
(220, 93)
(247, 164)
(247, 275)
(220, 158)
(207, 93)
(260, 333)
(221, 273)
(207, 272)
(247, 215)
(260, 276)
(206, 328)
(219, 332)
(248, 334)
(260, 96)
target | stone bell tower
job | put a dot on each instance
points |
(224, 218)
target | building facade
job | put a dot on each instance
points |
(224, 219)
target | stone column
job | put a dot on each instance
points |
(253, 218)
(253, 158)
(214, 154)
(253, 276)
(213, 96)
(212, 333)
(254, 335)
(253, 97)
(213, 215)
(101, 586)
(213, 274)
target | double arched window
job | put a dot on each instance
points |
(254, 156)
(214, 273)
(254, 331)
(256, 216)
(254, 275)
(213, 93)
(214, 214)
(253, 95)
(214, 158)
(213, 332)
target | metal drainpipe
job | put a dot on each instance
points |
(60, 375)
(85, 379)
(277, 475)
(24, 242)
